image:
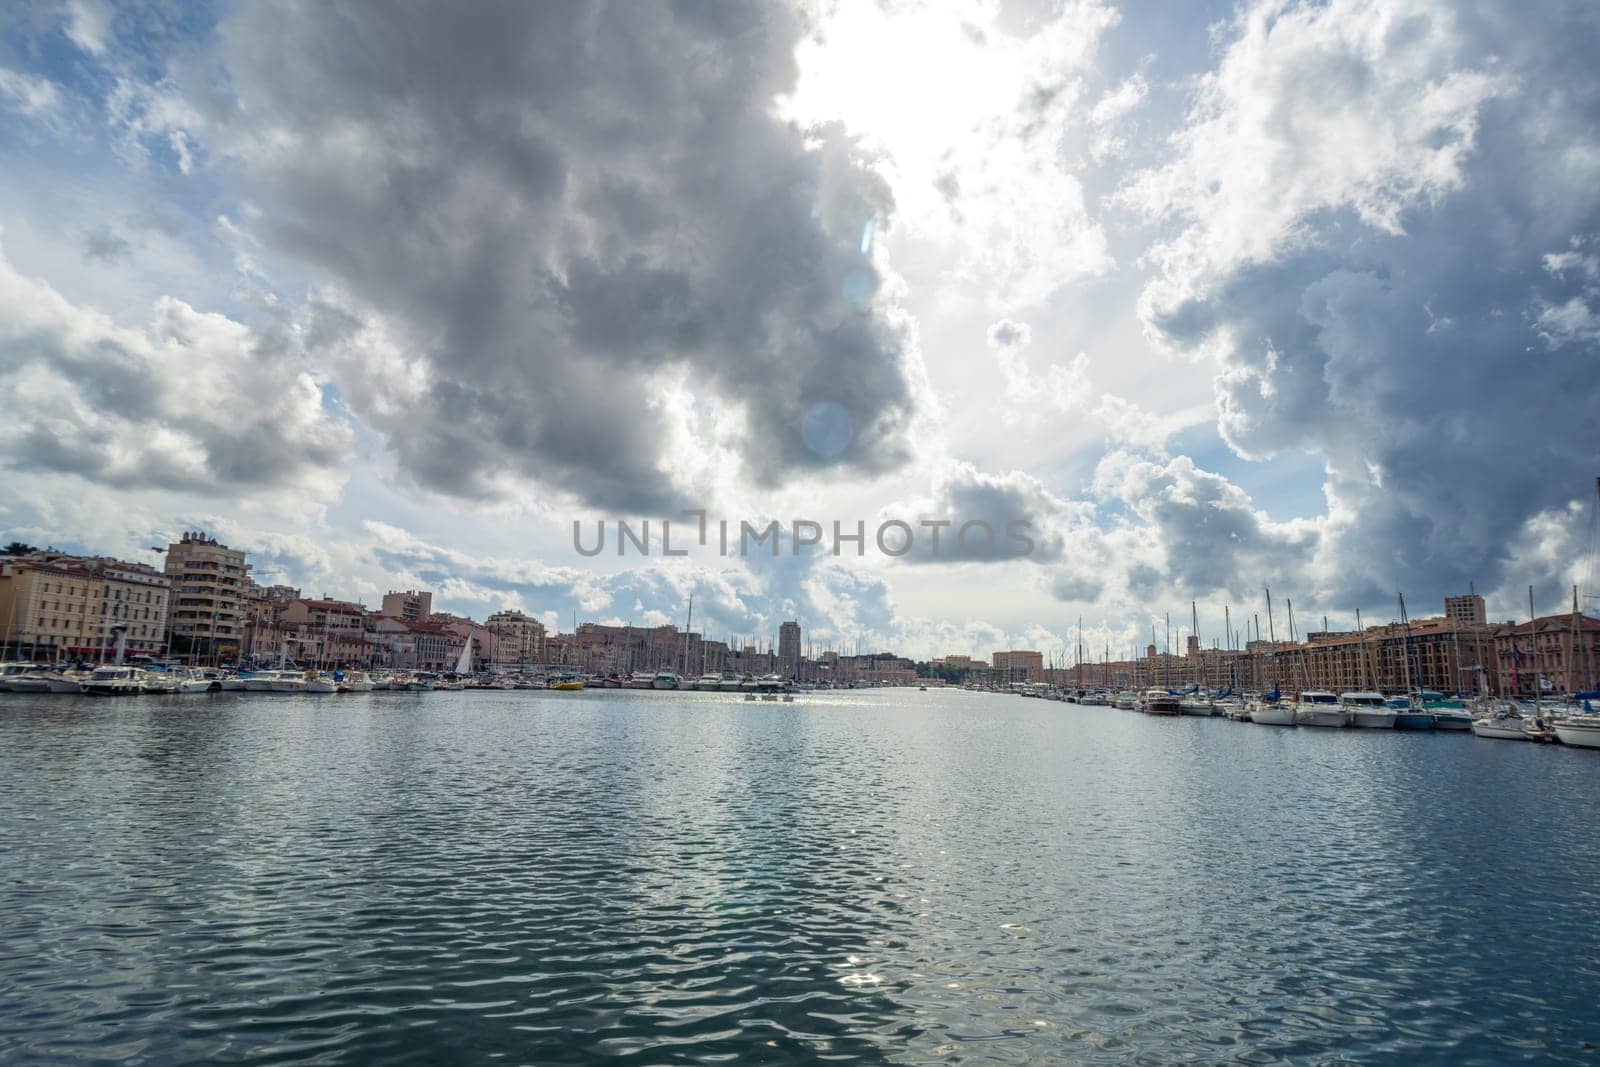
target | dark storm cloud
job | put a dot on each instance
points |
(1439, 364)
(546, 202)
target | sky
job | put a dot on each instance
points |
(1216, 298)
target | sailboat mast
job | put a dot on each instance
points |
(687, 626)
(1361, 652)
(1194, 628)
(1533, 636)
(1572, 646)
(1166, 655)
(1405, 624)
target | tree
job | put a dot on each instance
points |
(17, 548)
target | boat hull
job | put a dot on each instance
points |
(1501, 730)
(1332, 718)
(1578, 734)
(1273, 716)
(1416, 720)
(1372, 720)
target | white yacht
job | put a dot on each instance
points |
(729, 683)
(1505, 722)
(288, 682)
(115, 682)
(1318, 708)
(164, 680)
(1579, 730)
(32, 680)
(69, 681)
(191, 682)
(1128, 700)
(709, 683)
(1159, 702)
(1264, 712)
(356, 682)
(260, 681)
(1369, 710)
(664, 680)
(318, 682)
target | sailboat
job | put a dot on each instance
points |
(1580, 729)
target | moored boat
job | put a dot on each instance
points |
(1579, 730)
(1269, 712)
(1505, 722)
(287, 682)
(1159, 702)
(354, 682)
(115, 682)
(1368, 710)
(317, 682)
(1318, 708)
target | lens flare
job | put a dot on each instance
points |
(858, 287)
(827, 429)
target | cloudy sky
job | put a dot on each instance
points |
(1218, 297)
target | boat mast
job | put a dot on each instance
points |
(1405, 624)
(1305, 675)
(1194, 628)
(1227, 634)
(687, 626)
(1572, 645)
(1533, 636)
(1272, 635)
(1361, 653)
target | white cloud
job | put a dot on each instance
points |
(191, 400)
(1354, 104)
(31, 95)
(968, 119)
(1030, 397)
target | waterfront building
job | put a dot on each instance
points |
(263, 639)
(418, 646)
(1468, 609)
(1019, 665)
(411, 605)
(1441, 653)
(56, 606)
(482, 637)
(519, 638)
(325, 632)
(789, 648)
(206, 609)
(1551, 654)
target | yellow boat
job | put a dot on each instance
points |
(565, 684)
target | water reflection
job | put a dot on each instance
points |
(898, 876)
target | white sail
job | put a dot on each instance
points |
(464, 664)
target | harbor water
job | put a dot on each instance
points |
(867, 876)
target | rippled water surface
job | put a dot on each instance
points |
(871, 876)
